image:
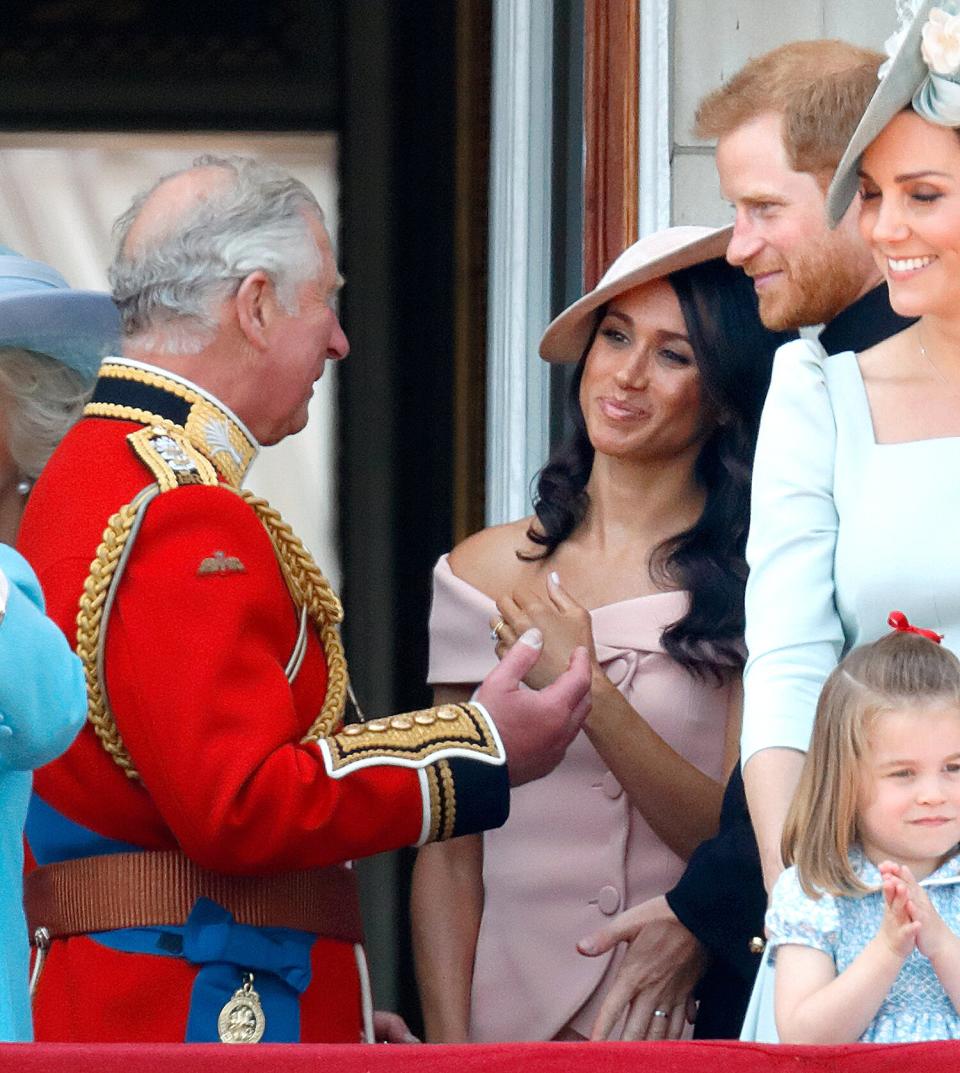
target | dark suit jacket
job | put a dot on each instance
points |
(720, 897)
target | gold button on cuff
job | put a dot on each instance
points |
(352, 730)
(376, 726)
(448, 715)
(424, 719)
(756, 945)
(401, 722)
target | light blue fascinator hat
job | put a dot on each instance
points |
(39, 311)
(923, 70)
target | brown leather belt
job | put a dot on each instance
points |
(156, 888)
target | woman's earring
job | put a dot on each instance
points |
(24, 487)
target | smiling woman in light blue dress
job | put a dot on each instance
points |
(51, 339)
(855, 497)
(856, 501)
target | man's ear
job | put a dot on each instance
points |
(255, 303)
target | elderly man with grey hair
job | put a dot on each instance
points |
(191, 845)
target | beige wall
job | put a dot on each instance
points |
(711, 39)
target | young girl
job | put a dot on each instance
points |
(861, 926)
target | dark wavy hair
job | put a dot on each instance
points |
(734, 355)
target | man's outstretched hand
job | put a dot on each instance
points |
(655, 982)
(535, 725)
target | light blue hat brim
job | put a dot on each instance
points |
(38, 311)
(903, 78)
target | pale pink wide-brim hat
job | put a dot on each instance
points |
(650, 258)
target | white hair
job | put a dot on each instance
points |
(41, 400)
(169, 287)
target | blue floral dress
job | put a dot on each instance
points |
(916, 1008)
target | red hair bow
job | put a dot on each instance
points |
(898, 620)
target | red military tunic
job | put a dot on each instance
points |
(212, 684)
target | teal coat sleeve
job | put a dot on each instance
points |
(43, 701)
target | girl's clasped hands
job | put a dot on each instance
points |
(910, 920)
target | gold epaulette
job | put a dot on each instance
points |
(171, 458)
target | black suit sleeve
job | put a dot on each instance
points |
(720, 897)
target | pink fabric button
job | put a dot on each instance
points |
(608, 900)
(610, 786)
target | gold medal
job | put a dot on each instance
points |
(242, 1019)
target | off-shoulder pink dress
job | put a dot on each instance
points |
(573, 852)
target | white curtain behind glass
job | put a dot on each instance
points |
(59, 195)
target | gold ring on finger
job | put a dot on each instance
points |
(495, 632)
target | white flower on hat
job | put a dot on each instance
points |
(940, 45)
(891, 46)
(906, 13)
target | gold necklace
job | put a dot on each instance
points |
(952, 388)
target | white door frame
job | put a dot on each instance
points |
(518, 384)
(655, 134)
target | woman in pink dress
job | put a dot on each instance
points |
(641, 517)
